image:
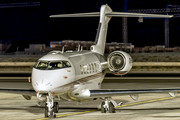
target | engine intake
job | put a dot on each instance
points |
(119, 62)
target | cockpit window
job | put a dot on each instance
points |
(55, 65)
(51, 65)
(41, 65)
(67, 63)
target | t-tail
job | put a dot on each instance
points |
(105, 15)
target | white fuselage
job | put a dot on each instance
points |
(85, 72)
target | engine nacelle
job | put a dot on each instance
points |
(119, 62)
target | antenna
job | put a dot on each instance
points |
(78, 48)
(62, 49)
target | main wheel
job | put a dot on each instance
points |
(46, 111)
(103, 110)
(51, 114)
(111, 108)
(56, 107)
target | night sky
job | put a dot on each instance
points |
(23, 25)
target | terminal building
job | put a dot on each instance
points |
(37, 49)
(73, 45)
(40, 49)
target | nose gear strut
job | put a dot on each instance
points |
(49, 106)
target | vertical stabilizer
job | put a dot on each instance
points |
(102, 30)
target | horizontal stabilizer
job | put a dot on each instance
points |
(112, 14)
(126, 14)
(92, 14)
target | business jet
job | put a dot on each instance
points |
(77, 76)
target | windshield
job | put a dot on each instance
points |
(51, 65)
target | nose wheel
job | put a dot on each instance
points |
(46, 111)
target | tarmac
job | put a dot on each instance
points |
(148, 107)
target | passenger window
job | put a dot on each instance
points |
(89, 68)
(84, 69)
(95, 67)
(92, 67)
(81, 68)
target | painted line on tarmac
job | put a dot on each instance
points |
(70, 114)
(131, 104)
(76, 113)
(143, 102)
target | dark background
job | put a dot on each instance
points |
(24, 25)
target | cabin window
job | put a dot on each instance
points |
(85, 68)
(81, 68)
(95, 67)
(89, 68)
(98, 67)
(92, 67)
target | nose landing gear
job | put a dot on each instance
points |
(51, 107)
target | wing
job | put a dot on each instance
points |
(23, 88)
(110, 92)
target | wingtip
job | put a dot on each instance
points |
(171, 16)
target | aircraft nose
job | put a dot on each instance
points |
(42, 85)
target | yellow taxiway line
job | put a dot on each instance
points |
(64, 115)
(143, 102)
(131, 104)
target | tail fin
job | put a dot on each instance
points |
(105, 15)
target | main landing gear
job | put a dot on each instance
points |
(51, 107)
(108, 105)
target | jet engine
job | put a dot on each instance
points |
(119, 62)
